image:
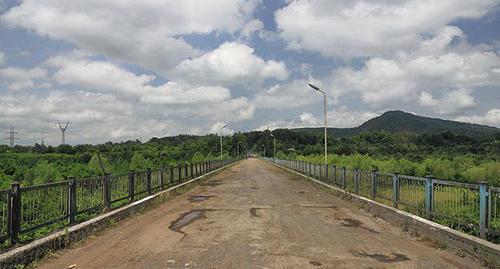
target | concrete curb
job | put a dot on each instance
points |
(39, 248)
(485, 251)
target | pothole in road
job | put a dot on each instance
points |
(212, 183)
(253, 212)
(354, 223)
(186, 219)
(395, 257)
(315, 263)
(199, 198)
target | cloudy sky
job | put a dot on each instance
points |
(123, 69)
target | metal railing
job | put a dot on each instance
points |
(470, 208)
(28, 213)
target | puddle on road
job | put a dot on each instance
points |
(315, 263)
(212, 183)
(186, 219)
(354, 223)
(199, 198)
(395, 257)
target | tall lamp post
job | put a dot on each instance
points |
(274, 148)
(324, 121)
(220, 134)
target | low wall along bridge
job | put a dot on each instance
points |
(255, 214)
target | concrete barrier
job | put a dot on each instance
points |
(485, 251)
(37, 249)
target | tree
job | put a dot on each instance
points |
(138, 162)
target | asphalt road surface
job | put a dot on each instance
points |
(255, 215)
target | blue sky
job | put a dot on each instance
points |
(130, 70)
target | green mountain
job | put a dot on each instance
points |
(403, 122)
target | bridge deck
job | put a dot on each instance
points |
(255, 215)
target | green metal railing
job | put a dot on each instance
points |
(28, 213)
(470, 208)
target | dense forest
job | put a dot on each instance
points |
(444, 155)
(396, 141)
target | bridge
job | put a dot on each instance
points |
(255, 215)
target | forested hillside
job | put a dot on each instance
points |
(446, 155)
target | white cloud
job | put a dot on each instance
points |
(216, 129)
(295, 93)
(451, 103)
(253, 26)
(437, 68)
(230, 63)
(340, 118)
(143, 33)
(2, 58)
(15, 79)
(361, 28)
(492, 118)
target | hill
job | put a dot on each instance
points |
(403, 122)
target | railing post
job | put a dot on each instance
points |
(191, 167)
(148, 181)
(179, 178)
(333, 174)
(395, 190)
(162, 178)
(172, 179)
(185, 171)
(483, 209)
(310, 169)
(15, 212)
(71, 200)
(357, 174)
(107, 191)
(373, 189)
(131, 178)
(344, 174)
(326, 172)
(429, 196)
(320, 174)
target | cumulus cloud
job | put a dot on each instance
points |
(292, 94)
(230, 63)
(143, 33)
(340, 118)
(437, 68)
(15, 79)
(348, 29)
(492, 118)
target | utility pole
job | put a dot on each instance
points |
(63, 128)
(324, 121)
(12, 136)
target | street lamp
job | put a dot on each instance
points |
(324, 120)
(220, 134)
(274, 148)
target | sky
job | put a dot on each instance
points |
(124, 70)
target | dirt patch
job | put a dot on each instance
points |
(253, 212)
(186, 219)
(199, 198)
(212, 183)
(315, 263)
(395, 257)
(354, 223)
(320, 206)
(255, 188)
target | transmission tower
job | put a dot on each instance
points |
(12, 136)
(63, 128)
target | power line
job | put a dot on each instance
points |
(12, 136)
(63, 128)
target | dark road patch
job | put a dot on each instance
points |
(186, 219)
(255, 188)
(212, 183)
(395, 257)
(354, 223)
(315, 263)
(320, 206)
(199, 198)
(253, 212)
